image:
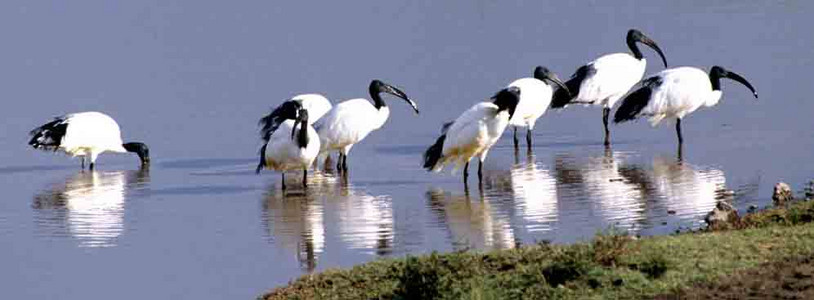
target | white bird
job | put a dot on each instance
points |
(316, 105)
(675, 93)
(289, 148)
(85, 134)
(473, 133)
(534, 101)
(351, 121)
(606, 79)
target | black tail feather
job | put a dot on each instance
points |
(434, 153)
(634, 103)
(270, 123)
(262, 163)
(561, 97)
(49, 136)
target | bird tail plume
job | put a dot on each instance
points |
(633, 104)
(434, 153)
(262, 163)
(49, 136)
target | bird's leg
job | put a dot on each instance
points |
(466, 172)
(528, 139)
(515, 138)
(83, 162)
(345, 163)
(304, 177)
(91, 166)
(605, 114)
(678, 131)
(339, 163)
(480, 172)
(283, 181)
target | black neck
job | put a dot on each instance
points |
(715, 79)
(302, 136)
(377, 98)
(631, 43)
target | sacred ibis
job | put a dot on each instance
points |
(473, 133)
(85, 134)
(290, 148)
(606, 79)
(534, 100)
(316, 105)
(351, 121)
(675, 93)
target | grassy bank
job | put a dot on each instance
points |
(610, 266)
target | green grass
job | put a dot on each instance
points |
(611, 266)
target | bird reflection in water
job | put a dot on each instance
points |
(535, 194)
(615, 191)
(89, 206)
(688, 191)
(296, 218)
(472, 223)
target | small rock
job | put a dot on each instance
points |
(722, 216)
(671, 212)
(782, 194)
(752, 208)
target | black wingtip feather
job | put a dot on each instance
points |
(262, 163)
(49, 136)
(634, 103)
(272, 121)
(434, 153)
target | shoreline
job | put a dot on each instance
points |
(611, 265)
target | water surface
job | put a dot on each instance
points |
(191, 79)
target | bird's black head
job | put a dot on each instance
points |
(377, 87)
(289, 109)
(718, 72)
(634, 36)
(507, 99)
(141, 150)
(543, 74)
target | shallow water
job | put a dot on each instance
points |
(191, 79)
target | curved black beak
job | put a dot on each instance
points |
(652, 44)
(556, 80)
(543, 74)
(398, 93)
(738, 78)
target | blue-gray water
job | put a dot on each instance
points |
(191, 78)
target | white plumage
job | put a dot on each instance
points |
(675, 93)
(316, 105)
(294, 145)
(615, 74)
(605, 80)
(533, 103)
(284, 154)
(85, 134)
(349, 122)
(473, 133)
(534, 100)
